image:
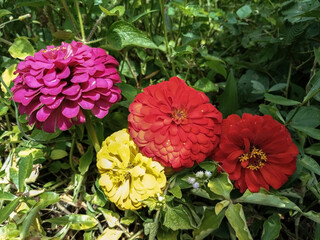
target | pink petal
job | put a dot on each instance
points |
(43, 114)
(50, 75)
(50, 124)
(80, 78)
(86, 104)
(32, 82)
(98, 112)
(72, 90)
(64, 74)
(56, 103)
(53, 90)
(18, 95)
(70, 109)
(47, 99)
(90, 85)
(74, 97)
(104, 83)
(64, 123)
(91, 95)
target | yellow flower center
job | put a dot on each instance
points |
(254, 159)
(178, 115)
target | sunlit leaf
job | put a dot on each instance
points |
(8, 209)
(209, 222)
(221, 185)
(237, 220)
(265, 198)
(122, 34)
(21, 48)
(271, 227)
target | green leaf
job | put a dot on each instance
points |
(58, 154)
(221, 205)
(8, 209)
(265, 198)
(209, 222)
(167, 234)
(177, 218)
(63, 35)
(176, 191)
(135, 18)
(40, 135)
(228, 101)
(258, 87)
(21, 48)
(122, 34)
(151, 228)
(244, 12)
(305, 117)
(314, 216)
(221, 185)
(310, 164)
(209, 166)
(85, 161)
(315, 83)
(111, 217)
(47, 198)
(314, 149)
(237, 220)
(116, 11)
(205, 85)
(312, 132)
(25, 169)
(317, 54)
(110, 234)
(6, 196)
(3, 109)
(271, 227)
(277, 87)
(218, 67)
(7, 76)
(78, 221)
(4, 12)
(128, 91)
(280, 100)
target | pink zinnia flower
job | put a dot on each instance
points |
(55, 85)
(174, 124)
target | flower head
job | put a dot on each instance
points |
(256, 151)
(128, 177)
(174, 124)
(58, 83)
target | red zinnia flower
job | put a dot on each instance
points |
(174, 124)
(256, 151)
(57, 83)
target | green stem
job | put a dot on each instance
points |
(70, 17)
(95, 26)
(76, 2)
(288, 80)
(5, 41)
(131, 70)
(135, 235)
(71, 162)
(92, 133)
(95, 41)
(168, 49)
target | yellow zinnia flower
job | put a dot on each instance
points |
(128, 177)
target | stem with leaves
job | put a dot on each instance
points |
(76, 3)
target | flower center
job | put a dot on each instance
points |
(178, 115)
(254, 159)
